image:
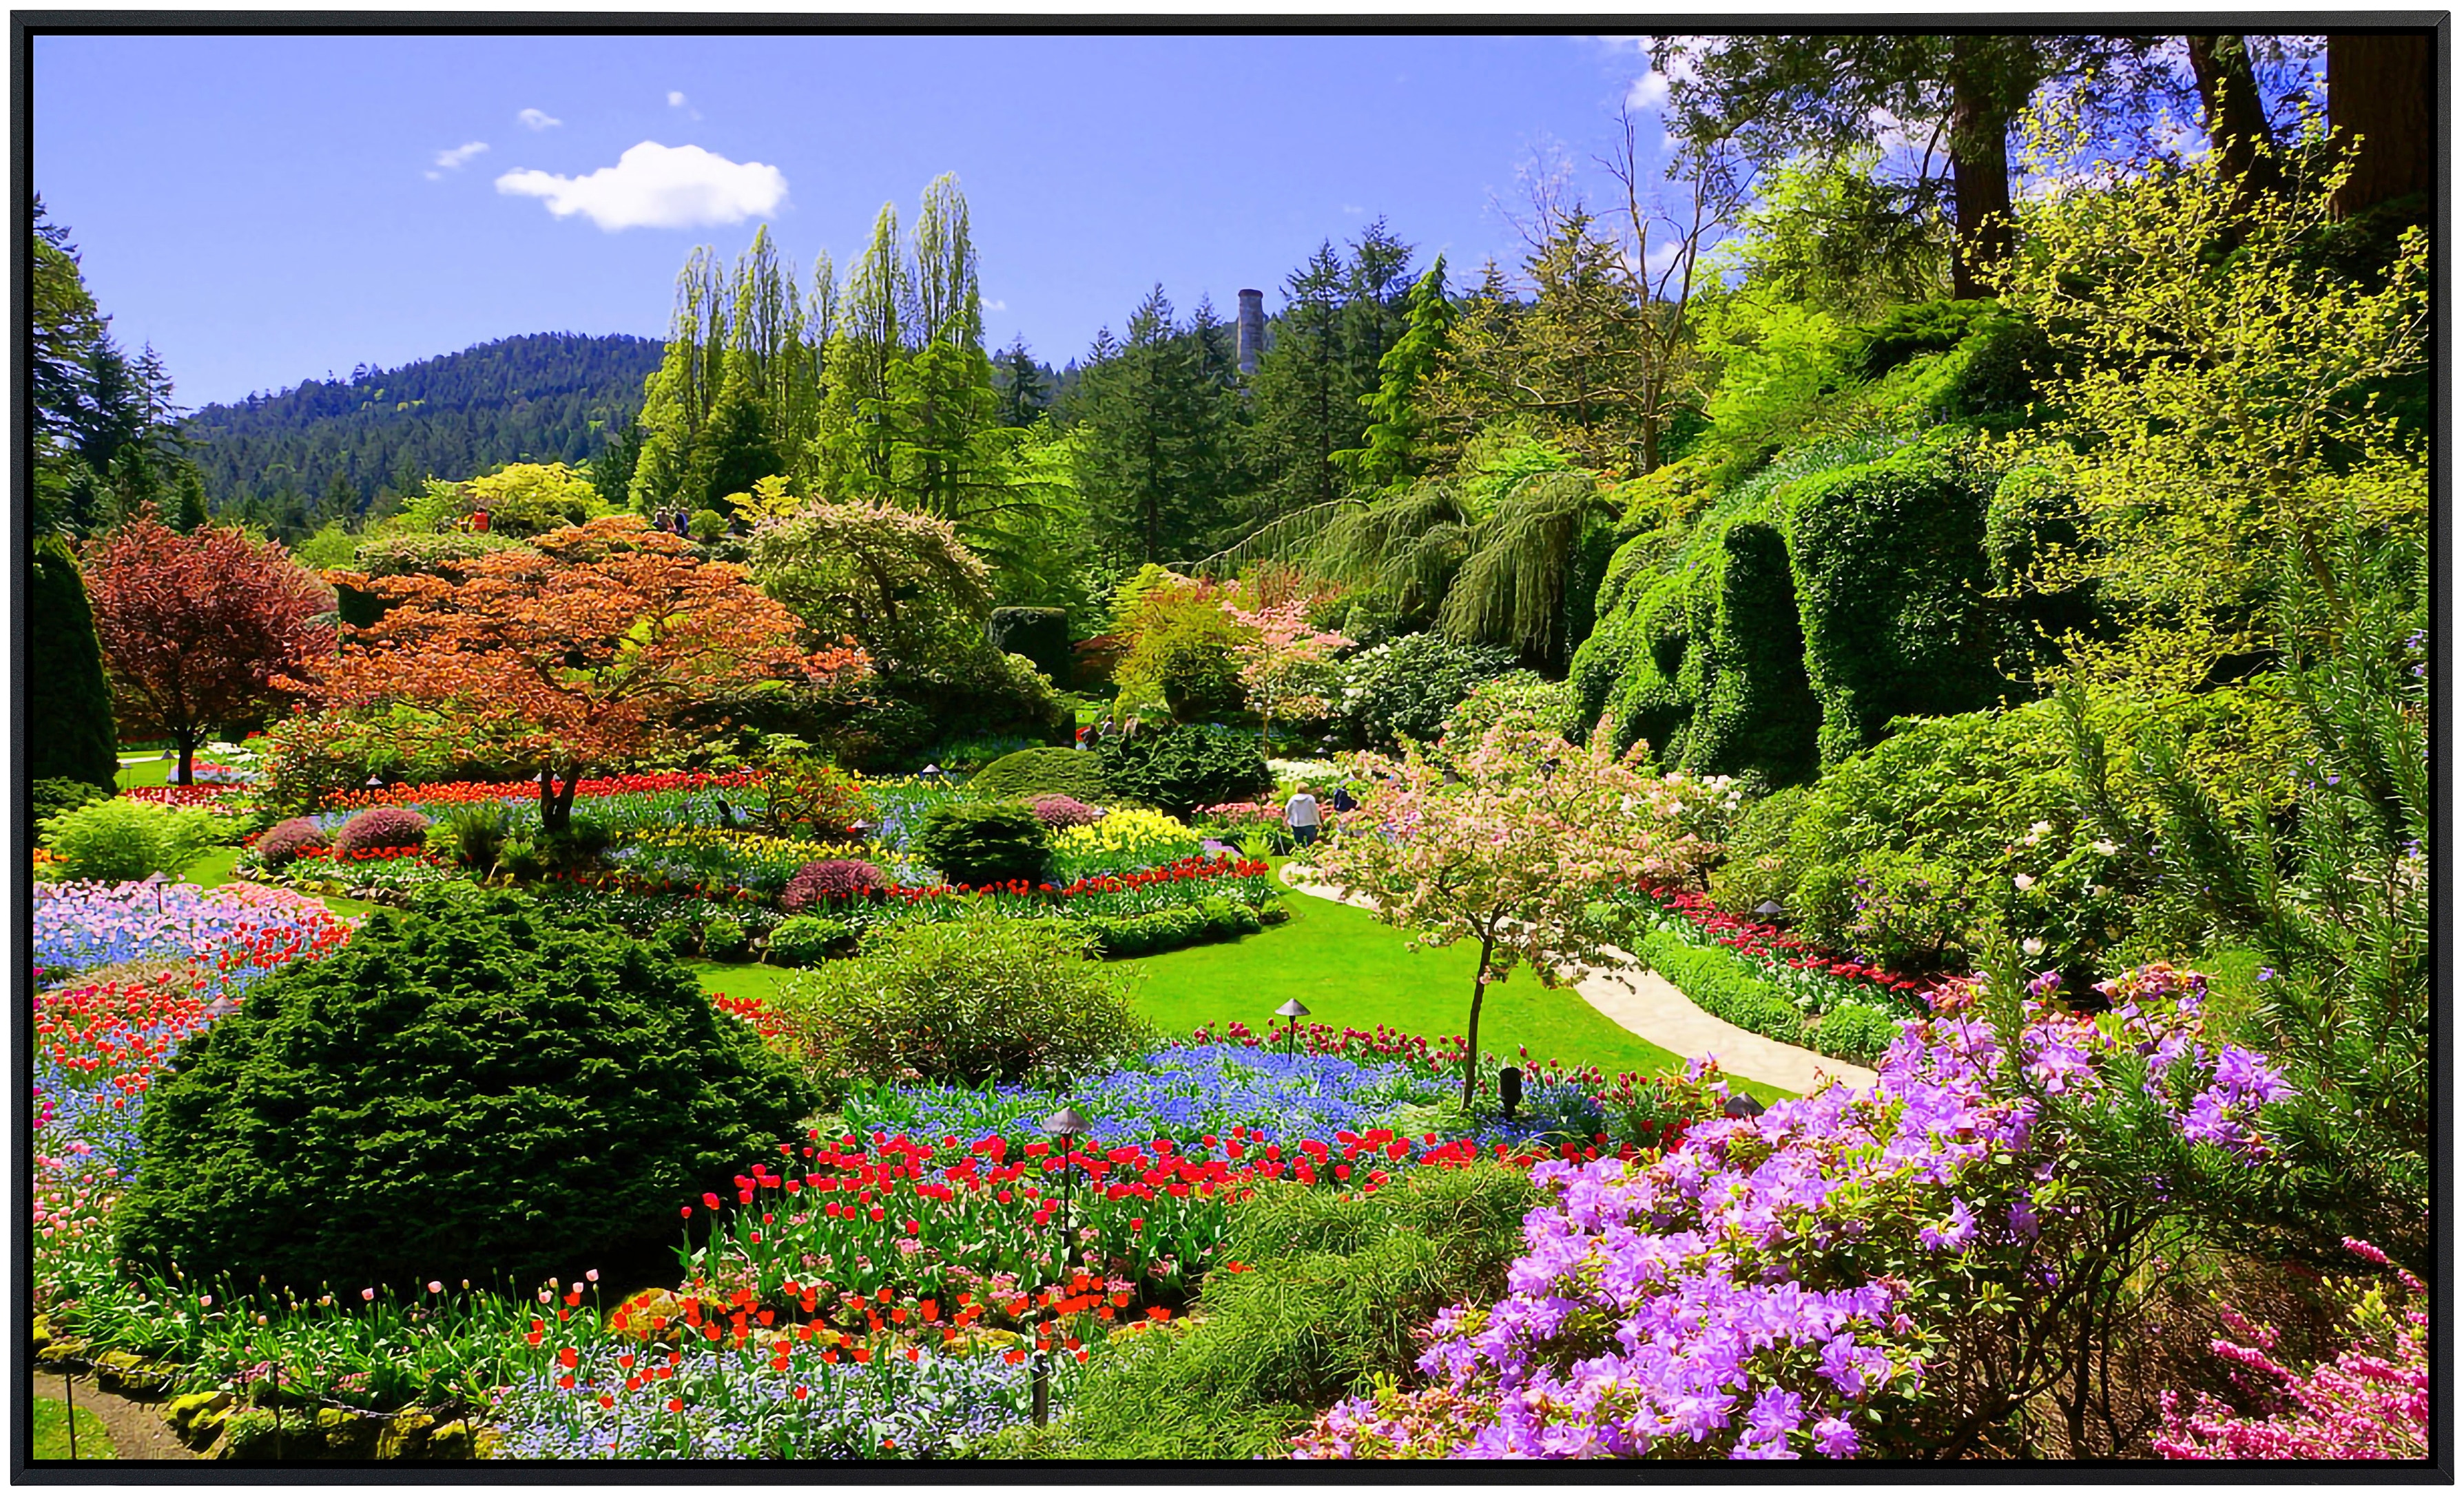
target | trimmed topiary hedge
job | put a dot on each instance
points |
(1759, 712)
(474, 1089)
(823, 883)
(288, 839)
(1890, 583)
(1030, 772)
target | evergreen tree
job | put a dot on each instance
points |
(1307, 407)
(188, 509)
(1155, 439)
(67, 701)
(735, 450)
(1391, 449)
(1024, 394)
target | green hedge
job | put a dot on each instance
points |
(1030, 772)
(1720, 985)
(1183, 925)
(1890, 581)
(1760, 714)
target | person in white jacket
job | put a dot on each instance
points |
(1301, 814)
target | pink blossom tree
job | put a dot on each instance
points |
(1282, 661)
(1506, 840)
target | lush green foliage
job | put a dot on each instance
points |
(1337, 1289)
(552, 396)
(1042, 634)
(474, 1089)
(115, 841)
(52, 796)
(971, 999)
(1177, 769)
(805, 940)
(980, 843)
(1890, 572)
(1030, 772)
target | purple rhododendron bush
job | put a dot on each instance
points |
(1936, 1268)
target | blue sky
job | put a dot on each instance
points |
(263, 209)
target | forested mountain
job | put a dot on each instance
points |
(544, 397)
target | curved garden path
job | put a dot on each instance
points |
(1644, 1002)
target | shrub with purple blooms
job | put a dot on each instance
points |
(1059, 811)
(383, 825)
(1902, 1271)
(288, 839)
(822, 884)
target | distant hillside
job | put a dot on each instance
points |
(545, 397)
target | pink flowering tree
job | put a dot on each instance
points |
(2370, 1402)
(1936, 1267)
(1283, 662)
(1506, 840)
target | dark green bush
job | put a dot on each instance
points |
(2034, 516)
(1030, 772)
(979, 842)
(678, 937)
(1339, 1289)
(1756, 868)
(1178, 769)
(1890, 581)
(1181, 925)
(984, 996)
(805, 940)
(70, 732)
(55, 797)
(407, 553)
(1042, 634)
(473, 1090)
(472, 835)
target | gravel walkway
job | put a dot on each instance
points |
(136, 1428)
(1648, 1004)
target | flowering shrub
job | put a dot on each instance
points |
(1061, 812)
(717, 861)
(1891, 1271)
(2370, 1402)
(221, 799)
(464, 791)
(381, 826)
(288, 839)
(829, 882)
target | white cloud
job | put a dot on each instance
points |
(996, 306)
(1355, 210)
(539, 118)
(657, 186)
(1649, 91)
(452, 160)
(675, 100)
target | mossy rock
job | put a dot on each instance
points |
(130, 1374)
(406, 1435)
(198, 1418)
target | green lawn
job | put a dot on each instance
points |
(52, 1432)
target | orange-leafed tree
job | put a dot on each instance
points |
(201, 633)
(587, 651)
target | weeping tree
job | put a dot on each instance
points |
(1506, 551)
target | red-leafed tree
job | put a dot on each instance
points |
(588, 649)
(201, 633)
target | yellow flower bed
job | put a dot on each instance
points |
(1122, 831)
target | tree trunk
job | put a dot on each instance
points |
(2378, 88)
(1471, 1033)
(2235, 121)
(1980, 179)
(187, 741)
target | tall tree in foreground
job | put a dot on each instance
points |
(2379, 87)
(587, 649)
(201, 633)
(1502, 839)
